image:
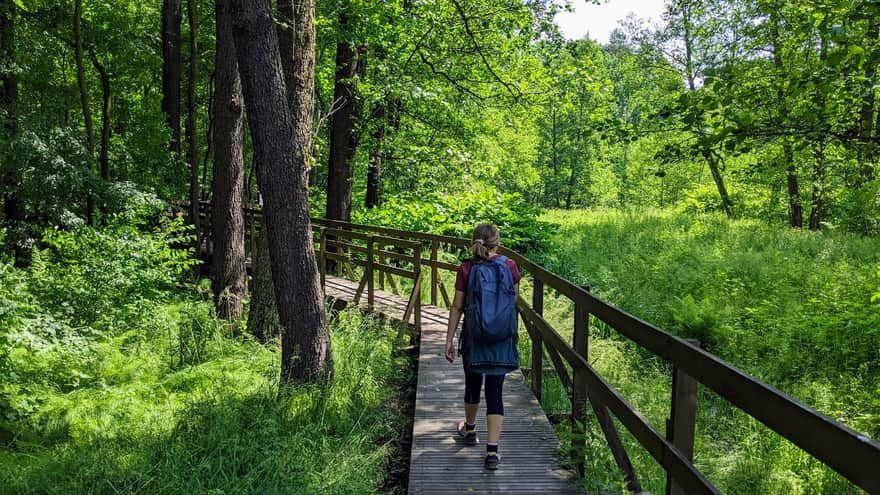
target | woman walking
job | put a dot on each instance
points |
(486, 287)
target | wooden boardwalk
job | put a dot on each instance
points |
(439, 462)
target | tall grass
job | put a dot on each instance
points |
(150, 426)
(117, 378)
(792, 308)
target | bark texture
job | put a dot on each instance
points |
(282, 168)
(263, 321)
(191, 144)
(374, 169)
(343, 139)
(171, 69)
(229, 277)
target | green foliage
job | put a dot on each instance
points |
(117, 379)
(457, 214)
(213, 426)
(53, 173)
(84, 286)
(95, 277)
(792, 308)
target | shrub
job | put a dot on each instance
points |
(92, 277)
(457, 214)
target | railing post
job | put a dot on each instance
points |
(417, 291)
(537, 342)
(370, 282)
(434, 271)
(681, 425)
(322, 259)
(579, 385)
(380, 246)
(339, 253)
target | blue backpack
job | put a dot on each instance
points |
(490, 314)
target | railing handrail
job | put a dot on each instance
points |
(850, 453)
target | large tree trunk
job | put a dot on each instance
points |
(83, 97)
(229, 275)
(282, 169)
(263, 320)
(343, 139)
(171, 69)
(284, 14)
(191, 144)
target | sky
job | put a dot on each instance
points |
(600, 20)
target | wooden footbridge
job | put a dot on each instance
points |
(405, 275)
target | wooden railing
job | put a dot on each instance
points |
(853, 455)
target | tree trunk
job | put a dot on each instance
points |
(13, 210)
(8, 98)
(83, 98)
(191, 145)
(712, 160)
(572, 181)
(795, 211)
(555, 156)
(709, 155)
(263, 321)
(343, 139)
(229, 275)
(374, 170)
(9, 86)
(106, 100)
(284, 26)
(282, 169)
(171, 69)
(818, 190)
(818, 199)
(866, 127)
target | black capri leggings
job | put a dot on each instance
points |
(473, 382)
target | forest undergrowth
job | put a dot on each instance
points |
(796, 309)
(118, 378)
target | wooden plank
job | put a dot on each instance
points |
(681, 426)
(850, 453)
(537, 342)
(580, 343)
(444, 294)
(439, 463)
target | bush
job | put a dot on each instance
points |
(94, 277)
(457, 214)
(85, 286)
